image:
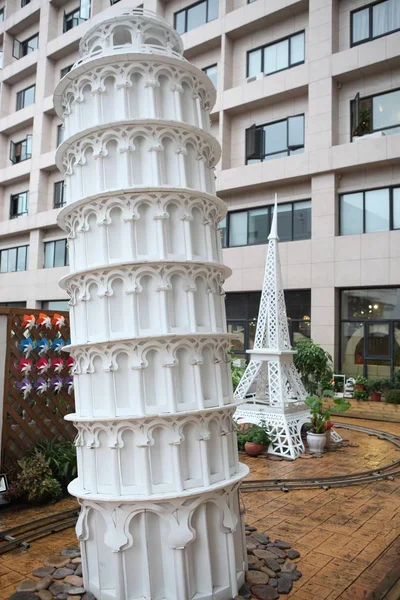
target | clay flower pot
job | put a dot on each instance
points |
(359, 386)
(376, 396)
(316, 442)
(253, 449)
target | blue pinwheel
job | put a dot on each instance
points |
(26, 346)
(43, 346)
(57, 345)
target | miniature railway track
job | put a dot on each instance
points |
(22, 535)
(388, 472)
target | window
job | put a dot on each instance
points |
(60, 134)
(13, 259)
(26, 97)
(370, 211)
(275, 140)
(250, 227)
(21, 49)
(65, 71)
(242, 313)
(195, 15)
(55, 305)
(278, 56)
(55, 254)
(370, 332)
(22, 150)
(59, 194)
(25, 3)
(18, 205)
(77, 16)
(2, 14)
(212, 73)
(374, 20)
(376, 113)
(13, 304)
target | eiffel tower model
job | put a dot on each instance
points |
(278, 399)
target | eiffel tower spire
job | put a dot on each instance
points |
(271, 380)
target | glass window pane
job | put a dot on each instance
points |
(371, 304)
(238, 229)
(213, 6)
(352, 348)
(222, 227)
(196, 16)
(258, 226)
(254, 66)
(275, 138)
(297, 49)
(55, 305)
(276, 57)
(360, 24)
(180, 21)
(296, 131)
(21, 259)
(396, 208)
(49, 255)
(377, 210)
(302, 220)
(285, 222)
(385, 17)
(29, 96)
(12, 259)
(351, 213)
(4, 261)
(238, 329)
(212, 73)
(59, 253)
(298, 304)
(386, 110)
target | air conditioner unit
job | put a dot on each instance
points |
(255, 77)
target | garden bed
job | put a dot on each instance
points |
(378, 411)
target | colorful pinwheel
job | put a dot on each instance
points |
(69, 383)
(56, 383)
(44, 320)
(57, 364)
(43, 346)
(70, 364)
(42, 366)
(58, 321)
(25, 387)
(57, 345)
(26, 346)
(28, 321)
(25, 366)
(41, 385)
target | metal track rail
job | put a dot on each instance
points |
(388, 472)
(22, 535)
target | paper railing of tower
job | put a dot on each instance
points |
(271, 387)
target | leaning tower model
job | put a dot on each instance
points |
(158, 470)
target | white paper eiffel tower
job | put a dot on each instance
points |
(279, 394)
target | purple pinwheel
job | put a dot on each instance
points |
(24, 387)
(69, 383)
(56, 383)
(26, 346)
(57, 345)
(43, 346)
(41, 385)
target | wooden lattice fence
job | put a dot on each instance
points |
(38, 390)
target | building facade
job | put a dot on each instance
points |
(308, 106)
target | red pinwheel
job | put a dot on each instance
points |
(57, 365)
(28, 321)
(70, 363)
(58, 320)
(42, 366)
(44, 320)
(25, 365)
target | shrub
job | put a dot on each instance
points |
(393, 397)
(34, 481)
(258, 435)
(236, 372)
(61, 458)
(360, 395)
(320, 415)
(313, 363)
(361, 380)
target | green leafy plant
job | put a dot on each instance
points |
(34, 481)
(360, 395)
(241, 440)
(61, 458)
(320, 414)
(313, 363)
(393, 397)
(361, 380)
(375, 385)
(258, 435)
(236, 372)
(364, 124)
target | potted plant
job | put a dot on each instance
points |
(375, 388)
(361, 382)
(360, 395)
(257, 439)
(320, 418)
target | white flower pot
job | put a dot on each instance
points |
(316, 442)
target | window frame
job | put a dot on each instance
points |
(69, 67)
(186, 9)
(17, 248)
(2, 14)
(262, 140)
(355, 112)
(66, 259)
(264, 46)
(15, 198)
(59, 185)
(76, 11)
(205, 69)
(21, 94)
(60, 134)
(18, 44)
(391, 188)
(270, 208)
(28, 142)
(25, 3)
(371, 37)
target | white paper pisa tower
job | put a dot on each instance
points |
(158, 470)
